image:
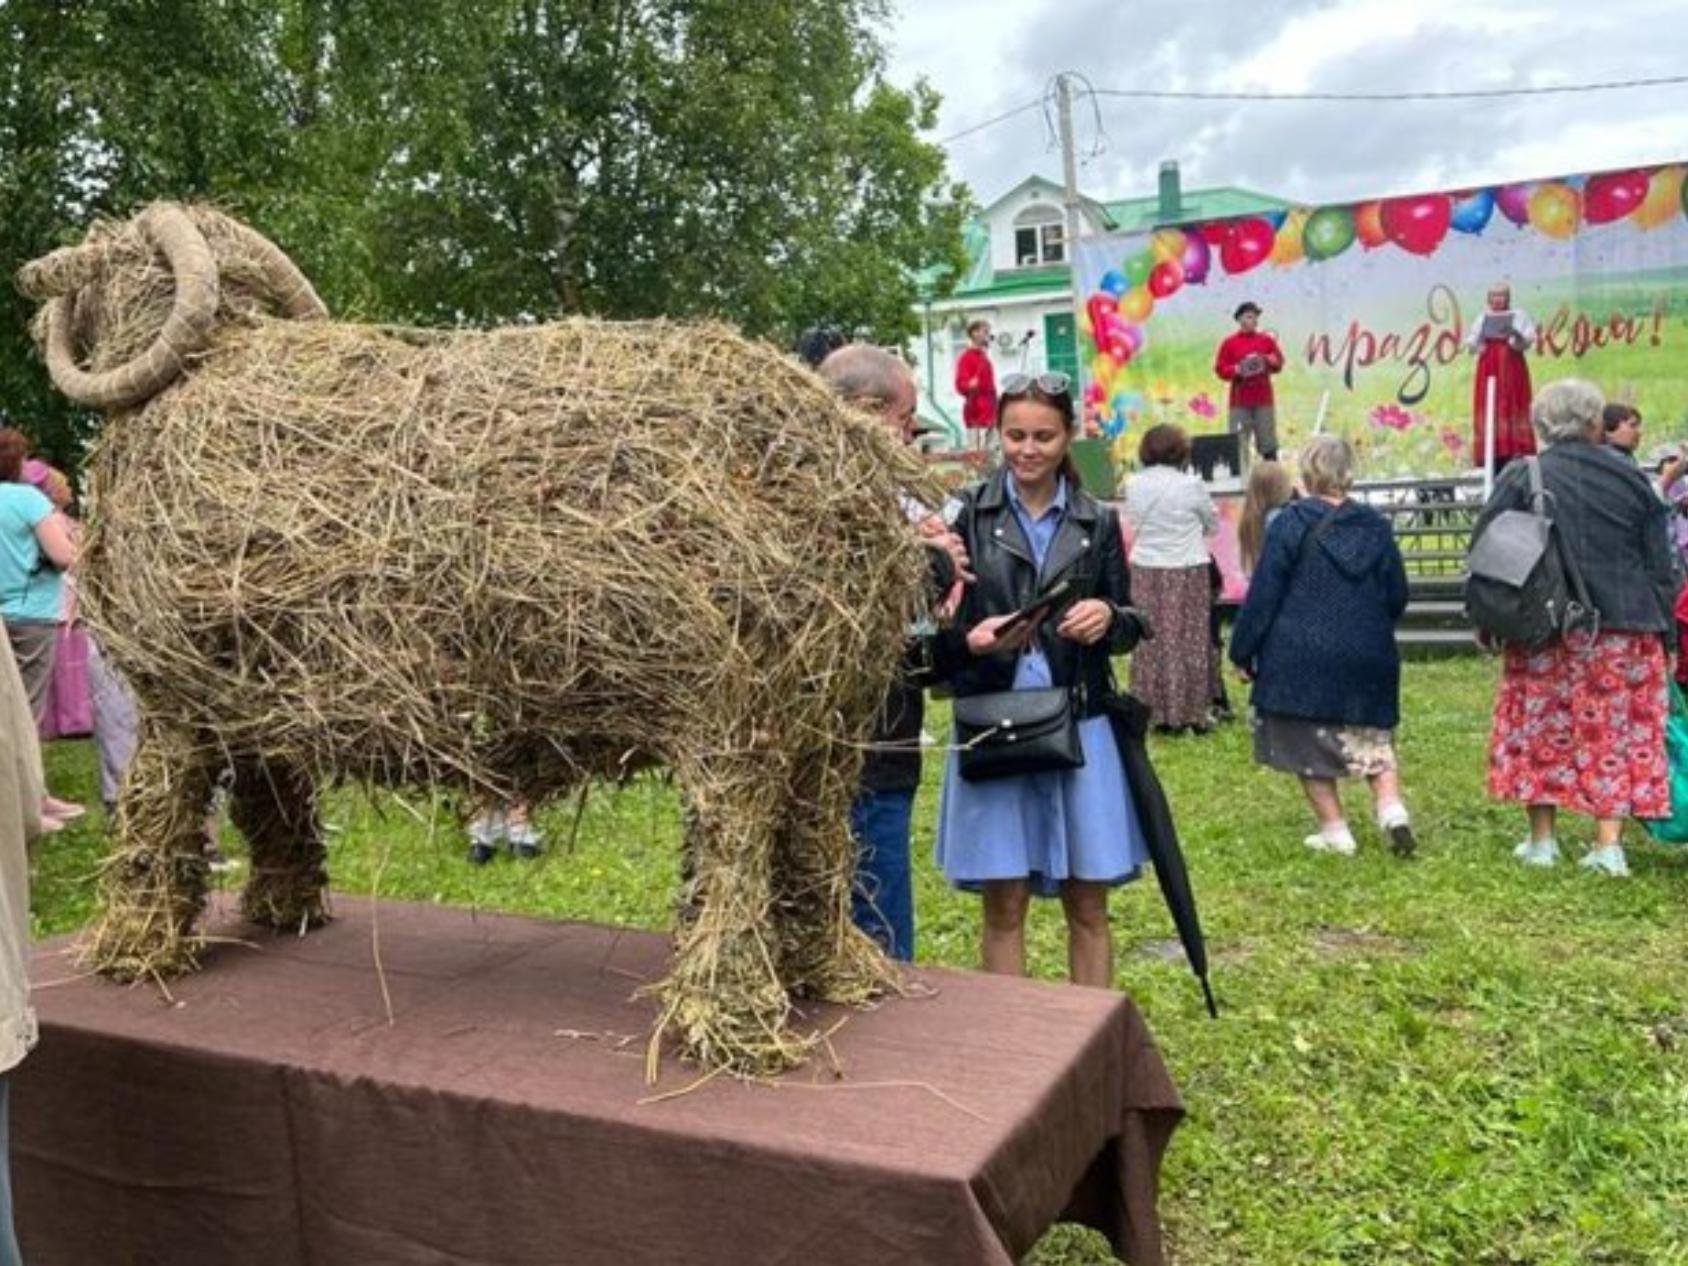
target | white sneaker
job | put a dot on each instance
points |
(1342, 843)
(1537, 852)
(1608, 859)
(487, 829)
(524, 839)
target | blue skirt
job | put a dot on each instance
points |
(1064, 824)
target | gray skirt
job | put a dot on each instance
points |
(1320, 749)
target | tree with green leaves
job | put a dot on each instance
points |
(484, 161)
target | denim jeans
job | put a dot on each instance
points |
(883, 900)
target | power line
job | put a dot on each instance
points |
(1459, 94)
(1464, 94)
(1001, 118)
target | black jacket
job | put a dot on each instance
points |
(1087, 549)
(893, 759)
(1613, 526)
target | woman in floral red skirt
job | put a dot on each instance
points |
(1579, 723)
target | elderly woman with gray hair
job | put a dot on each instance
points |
(1316, 636)
(1579, 722)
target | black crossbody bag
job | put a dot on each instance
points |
(1013, 732)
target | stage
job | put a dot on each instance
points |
(268, 1112)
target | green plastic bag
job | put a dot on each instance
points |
(1674, 829)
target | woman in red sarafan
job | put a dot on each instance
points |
(1501, 361)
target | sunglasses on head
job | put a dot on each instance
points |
(1049, 384)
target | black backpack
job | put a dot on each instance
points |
(1524, 589)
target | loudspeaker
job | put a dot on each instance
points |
(1217, 456)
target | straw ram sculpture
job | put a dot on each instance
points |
(505, 562)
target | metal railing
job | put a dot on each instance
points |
(1432, 520)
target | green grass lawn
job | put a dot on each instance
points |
(1448, 1060)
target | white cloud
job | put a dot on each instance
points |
(987, 56)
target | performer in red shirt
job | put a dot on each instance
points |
(1500, 359)
(1247, 360)
(975, 380)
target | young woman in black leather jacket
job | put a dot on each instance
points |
(1068, 832)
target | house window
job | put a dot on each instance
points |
(1040, 237)
(1054, 243)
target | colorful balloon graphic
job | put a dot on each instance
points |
(1613, 194)
(1197, 259)
(1136, 304)
(1165, 278)
(1555, 209)
(1134, 332)
(1249, 243)
(1329, 232)
(1103, 367)
(1514, 202)
(1167, 244)
(1287, 245)
(1217, 232)
(1138, 267)
(1368, 225)
(1664, 195)
(1114, 282)
(1099, 307)
(1472, 211)
(1417, 223)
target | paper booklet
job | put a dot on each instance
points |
(1251, 364)
(1498, 325)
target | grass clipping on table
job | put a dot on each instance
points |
(503, 561)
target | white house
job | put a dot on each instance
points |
(1019, 278)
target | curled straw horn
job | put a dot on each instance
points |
(169, 230)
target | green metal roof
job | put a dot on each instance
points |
(1133, 215)
(1018, 281)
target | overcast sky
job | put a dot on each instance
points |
(989, 56)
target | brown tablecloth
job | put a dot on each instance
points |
(269, 1113)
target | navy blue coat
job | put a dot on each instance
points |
(1318, 632)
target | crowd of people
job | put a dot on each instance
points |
(1577, 724)
(1037, 586)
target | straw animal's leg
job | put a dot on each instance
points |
(724, 1001)
(825, 955)
(153, 885)
(274, 805)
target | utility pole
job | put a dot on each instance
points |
(1069, 171)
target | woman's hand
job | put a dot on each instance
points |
(1086, 621)
(983, 638)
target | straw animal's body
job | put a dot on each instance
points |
(504, 561)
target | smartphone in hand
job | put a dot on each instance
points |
(1038, 607)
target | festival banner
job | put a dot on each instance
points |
(1372, 303)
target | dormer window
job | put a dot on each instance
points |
(1040, 237)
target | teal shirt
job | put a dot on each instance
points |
(31, 588)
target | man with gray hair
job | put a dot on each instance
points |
(880, 818)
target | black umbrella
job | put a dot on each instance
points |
(1130, 720)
